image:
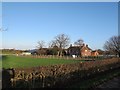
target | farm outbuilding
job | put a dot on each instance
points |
(26, 53)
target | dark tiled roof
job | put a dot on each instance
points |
(80, 47)
(76, 47)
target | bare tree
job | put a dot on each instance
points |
(79, 42)
(62, 41)
(41, 44)
(113, 45)
(52, 44)
(41, 50)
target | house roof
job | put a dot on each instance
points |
(80, 47)
(95, 51)
(75, 47)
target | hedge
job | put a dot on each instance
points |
(56, 75)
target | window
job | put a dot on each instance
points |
(85, 50)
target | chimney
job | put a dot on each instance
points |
(70, 45)
(83, 44)
(86, 45)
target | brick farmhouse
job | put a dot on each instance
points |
(81, 51)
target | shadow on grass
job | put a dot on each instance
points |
(3, 57)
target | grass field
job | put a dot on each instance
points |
(9, 61)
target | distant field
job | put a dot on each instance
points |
(9, 61)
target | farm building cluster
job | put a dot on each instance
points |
(74, 51)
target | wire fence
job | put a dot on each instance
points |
(70, 57)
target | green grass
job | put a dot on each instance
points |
(9, 61)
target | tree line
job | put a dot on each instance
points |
(61, 41)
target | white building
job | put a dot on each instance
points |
(26, 53)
